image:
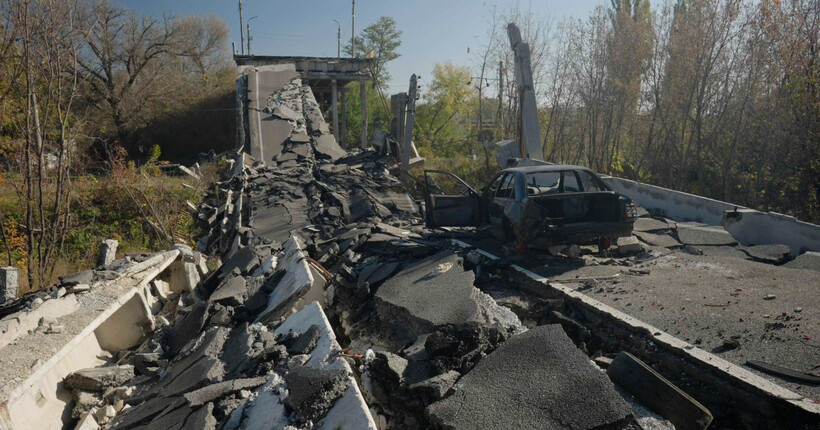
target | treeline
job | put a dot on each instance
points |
(713, 97)
(89, 86)
(106, 76)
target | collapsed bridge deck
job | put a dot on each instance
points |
(333, 307)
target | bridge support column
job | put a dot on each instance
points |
(334, 96)
(363, 88)
(344, 119)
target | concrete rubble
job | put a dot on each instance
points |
(332, 307)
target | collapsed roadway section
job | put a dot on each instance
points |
(331, 306)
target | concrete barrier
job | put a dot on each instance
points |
(751, 227)
(747, 226)
(40, 400)
(677, 205)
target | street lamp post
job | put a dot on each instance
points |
(353, 31)
(338, 39)
(249, 34)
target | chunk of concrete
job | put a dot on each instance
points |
(237, 349)
(772, 254)
(99, 378)
(537, 379)
(145, 411)
(84, 277)
(438, 386)
(170, 420)
(312, 391)
(87, 422)
(806, 261)
(296, 282)
(205, 371)
(108, 252)
(9, 283)
(202, 418)
(628, 245)
(191, 277)
(215, 391)
(434, 291)
(306, 341)
(189, 327)
(85, 402)
(232, 292)
(696, 235)
(245, 260)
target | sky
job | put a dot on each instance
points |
(434, 31)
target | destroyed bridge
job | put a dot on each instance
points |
(319, 299)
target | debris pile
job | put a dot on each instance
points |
(333, 308)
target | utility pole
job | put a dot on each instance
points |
(241, 35)
(338, 39)
(249, 34)
(499, 116)
(353, 31)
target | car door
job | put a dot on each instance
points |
(498, 202)
(451, 203)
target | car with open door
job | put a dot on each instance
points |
(535, 206)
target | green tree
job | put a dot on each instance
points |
(442, 116)
(382, 40)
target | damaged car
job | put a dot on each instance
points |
(535, 206)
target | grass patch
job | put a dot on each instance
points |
(142, 211)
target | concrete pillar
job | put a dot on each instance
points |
(334, 96)
(108, 252)
(8, 283)
(409, 121)
(344, 119)
(363, 90)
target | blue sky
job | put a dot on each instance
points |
(435, 31)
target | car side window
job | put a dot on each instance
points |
(506, 189)
(494, 185)
(570, 182)
(590, 183)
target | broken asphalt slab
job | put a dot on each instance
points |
(807, 261)
(434, 291)
(313, 391)
(537, 379)
(661, 239)
(650, 225)
(696, 235)
(772, 254)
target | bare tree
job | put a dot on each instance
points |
(49, 40)
(123, 61)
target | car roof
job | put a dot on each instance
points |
(545, 168)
